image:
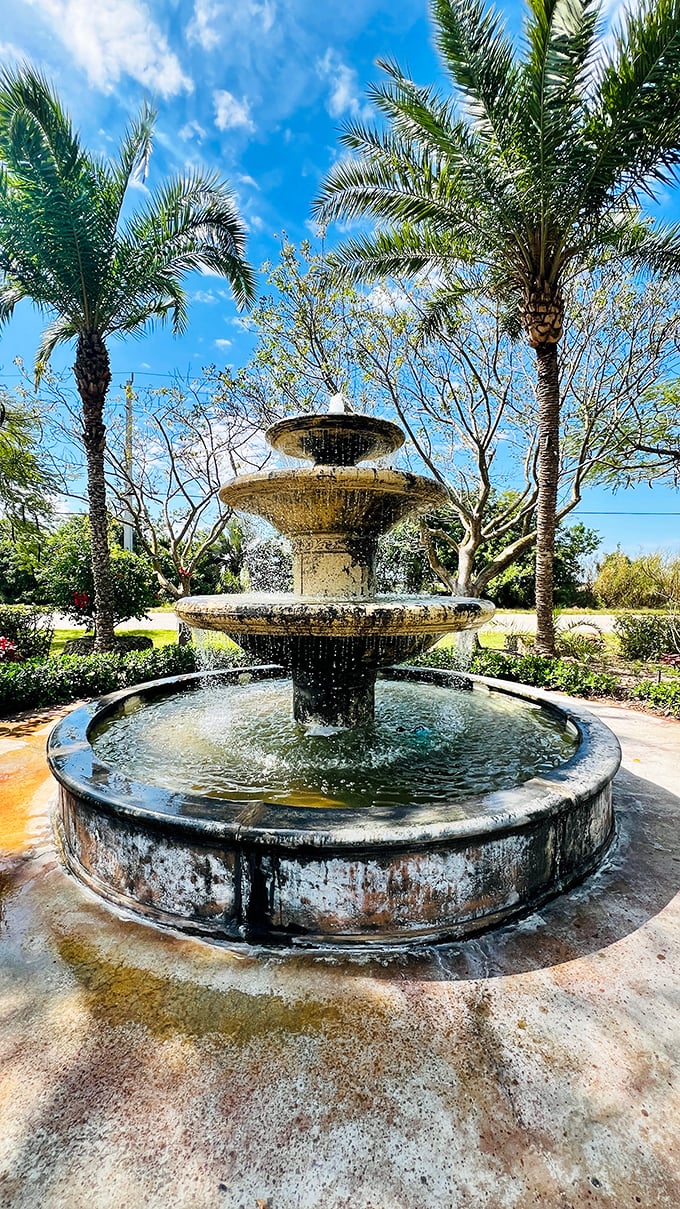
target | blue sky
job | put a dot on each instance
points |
(258, 89)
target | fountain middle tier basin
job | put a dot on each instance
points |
(358, 500)
(411, 830)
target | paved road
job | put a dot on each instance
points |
(505, 621)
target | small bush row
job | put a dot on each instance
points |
(559, 675)
(537, 670)
(664, 695)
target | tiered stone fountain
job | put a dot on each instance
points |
(333, 633)
(453, 804)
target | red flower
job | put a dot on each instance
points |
(8, 649)
(80, 599)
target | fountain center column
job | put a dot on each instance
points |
(334, 565)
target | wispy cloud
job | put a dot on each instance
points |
(192, 130)
(212, 19)
(343, 86)
(223, 344)
(230, 113)
(112, 38)
(8, 52)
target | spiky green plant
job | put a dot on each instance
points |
(69, 244)
(533, 168)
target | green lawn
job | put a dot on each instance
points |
(162, 637)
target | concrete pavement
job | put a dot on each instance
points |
(533, 1066)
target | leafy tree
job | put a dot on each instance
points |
(66, 245)
(185, 440)
(403, 564)
(27, 478)
(529, 172)
(648, 582)
(67, 580)
(465, 399)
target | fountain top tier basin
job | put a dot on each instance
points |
(338, 439)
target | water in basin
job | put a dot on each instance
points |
(427, 745)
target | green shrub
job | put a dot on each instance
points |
(57, 681)
(60, 680)
(648, 636)
(67, 583)
(537, 670)
(29, 627)
(665, 696)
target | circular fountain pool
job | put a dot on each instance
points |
(427, 744)
(195, 802)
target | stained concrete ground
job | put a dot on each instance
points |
(535, 1066)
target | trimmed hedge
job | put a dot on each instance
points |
(537, 670)
(66, 678)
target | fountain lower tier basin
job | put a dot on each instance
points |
(402, 872)
(333, 648)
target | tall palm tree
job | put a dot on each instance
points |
(68, 245)
(532, 169)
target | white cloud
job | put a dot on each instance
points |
(388, 300)
(201, 28)
(204, 296)
(230, 113)
(9, 51)
(111, 38)
(223, 344)
(212, 19)
(192, 130)
(343, 87)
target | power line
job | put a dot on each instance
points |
(585, 513)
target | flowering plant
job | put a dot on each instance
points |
(8, 650)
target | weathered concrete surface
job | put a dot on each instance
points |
(536, 1066)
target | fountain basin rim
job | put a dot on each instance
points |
(283, 614)
(72, 761)
(301, 481)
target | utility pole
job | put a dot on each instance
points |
(128, 530)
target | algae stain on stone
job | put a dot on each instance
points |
(167, 1006)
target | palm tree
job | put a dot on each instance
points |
(68, 246)
(530, 171)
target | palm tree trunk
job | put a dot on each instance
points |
(93, 375)
(548, 397)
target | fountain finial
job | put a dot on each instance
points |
(338, 405)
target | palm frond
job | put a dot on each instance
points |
(10, 295)
(401, 252)
(49, 186)
(633, 129)
(60, 331)
(480, 58)
(193, 222)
